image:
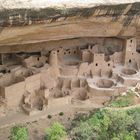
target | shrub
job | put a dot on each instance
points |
(56, 132)
(135, 112)
(105, 125)
(49, 116)
(61, 113)
(19, 133)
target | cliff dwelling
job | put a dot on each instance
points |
(73, 75)
(74, 59)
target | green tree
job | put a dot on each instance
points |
(120, 125)
(19, 133)
(56, 132)
(135, 112)
(84, 131)
(105, 125)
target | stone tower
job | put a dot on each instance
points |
(130, 54)
(53, 59)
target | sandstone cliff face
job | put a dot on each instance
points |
(31, 27)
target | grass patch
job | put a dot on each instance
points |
(123, 101)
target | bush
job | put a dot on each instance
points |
(135, 112)
(56, 132)
(105, 125)
(19, 133)
(49, 116)
(61, 114)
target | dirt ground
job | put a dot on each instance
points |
(37, 128)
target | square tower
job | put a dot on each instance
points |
(130, 56)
